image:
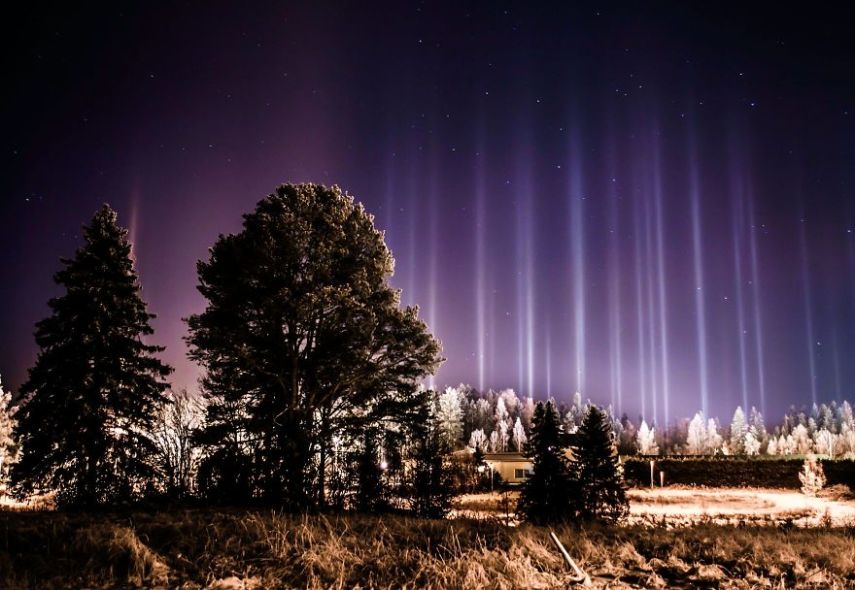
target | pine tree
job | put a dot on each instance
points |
(548, 494)
(433, 488)
(596, 469)
(96, 384)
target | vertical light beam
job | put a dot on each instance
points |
(698, 262)
(577, 251)
(661, 278)
(808, 308)
(480, 263)
(759, 348)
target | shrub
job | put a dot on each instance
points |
(812, 477)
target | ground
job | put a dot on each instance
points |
(675, 537)
(679, 506)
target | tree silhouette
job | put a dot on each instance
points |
(547, 495)
(601, 494)
(304, 336)
(96, 385)
(433, 487)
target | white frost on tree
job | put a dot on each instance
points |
(494, 442)
(646, 440)
(696, 439)
(172, 433)
(824, 442)
(802, 443)
(812, 476)
(519, 435)
(714, 439)
(503, 429)
(478, 440)
(750, 444)
(772, 447)
(737, 432)
(450, 417)
(8, 447)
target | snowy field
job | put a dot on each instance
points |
(684, 506)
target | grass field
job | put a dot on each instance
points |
(241, 550)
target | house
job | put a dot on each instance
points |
(511, 467)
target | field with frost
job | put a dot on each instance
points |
(231, 550)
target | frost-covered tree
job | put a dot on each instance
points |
(737, 432)
(696, 438)
(758, 427)
(519, 435)
(495, 445)
(527, 412)
(802, 443)
(772, 447)
(750, 444)
(627, 439)
(847, 440)
(504, 434)
(478, 440)
(714, 440)
(8, 446)
(824, 442)
(91, 397)
(812, 476)
(501, 413)
(449, 417)
(646, 441)
(173, 433)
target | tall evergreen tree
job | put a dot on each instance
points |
(596, 469)
(433, 487)
(91, 396)
(548, 494)
(304, 334)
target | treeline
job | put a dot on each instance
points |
(496, 421)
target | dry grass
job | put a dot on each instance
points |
(233, 550)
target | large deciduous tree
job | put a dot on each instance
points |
(91, 396)
(302, 338)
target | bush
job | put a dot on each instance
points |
(812, 477)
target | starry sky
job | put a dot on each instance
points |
(651, 204)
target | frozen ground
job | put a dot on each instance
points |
(682, 506)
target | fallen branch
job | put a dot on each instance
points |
(578, 577)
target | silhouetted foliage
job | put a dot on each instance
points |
(433, 486)
(601, 493)
(548, 494)
(370, 495)
(96, 385)
(303, 339)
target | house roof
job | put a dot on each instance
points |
(506, 456)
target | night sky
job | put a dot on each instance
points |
(651, 206)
